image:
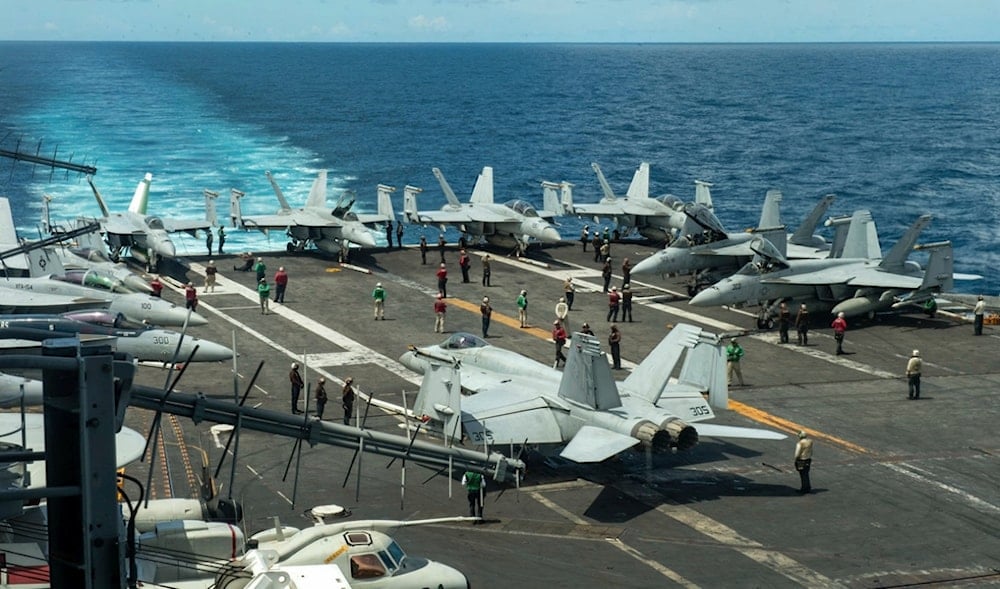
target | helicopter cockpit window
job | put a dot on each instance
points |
(154, 222)
(366, 566)
(463, 341)
(358, 538)
(522, 207)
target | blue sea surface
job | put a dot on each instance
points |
(900, 129)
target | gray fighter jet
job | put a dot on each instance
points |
(511, 224)
(517, 400)
(147, 237)
(853, 284)
(330, 230)
(654, 218)
(706, 249)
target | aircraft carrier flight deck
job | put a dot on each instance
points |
(905, 492)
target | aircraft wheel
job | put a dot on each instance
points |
(765, 323)
(692, 289)
(289, 247)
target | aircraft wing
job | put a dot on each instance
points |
(594, 444)
(491, 417)
(731, 431)
(599, 209)
(883, 279)
(443, 216)
(189, 225)
(294, 219)
(731, 249)
(482, 214)
(117, 225)
(372, 218)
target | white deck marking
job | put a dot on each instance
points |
(924, 477)
(655, 565)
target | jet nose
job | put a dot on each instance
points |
(709, 297)
(210, 351)
(649, 265)
(137, 284)
(410, 360)
(197, 320)
(549, 235)
(165, 248)
(359, 234)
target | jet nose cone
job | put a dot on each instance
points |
(709, 297)
(197, 320)
(359, 234)
(137, 284)
(648, 265)
(413, 362)
(210, 351)
(549, 235)
(165, 248)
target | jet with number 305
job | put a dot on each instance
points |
(516, 400)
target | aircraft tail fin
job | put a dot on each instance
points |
(277, 192)
(317, 192)
(140, 199)
(97, 195)
(211, 215)
(42, 262)
(861, 240)
(770, 213)
(804, 234)
(385, 201)
(482, 192)
(446, 188)
(605, 187)
(896, 258)
(8, 235)
(235, 211)
(702, 365)
(439, 402)
(566, 197)
(587, 375)
(705, 368)
(410, 203)
(939, 273)
(639, 188)
(703, 193)
(550, 197)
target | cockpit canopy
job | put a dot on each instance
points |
(463, 341)
(105, 318)
(522, 207)
(344, 204)
(154, 222)
(671, 201)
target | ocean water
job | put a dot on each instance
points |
(900, 129)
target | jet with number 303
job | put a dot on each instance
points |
(583, 410)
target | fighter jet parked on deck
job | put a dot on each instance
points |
(855, 284)
(517, 400)
(330, 230)
(511, 224)
(147, 236)
(143, 342)
(654, 218)
(706, 249)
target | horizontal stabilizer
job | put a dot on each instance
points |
(731, 431)
(594, 444)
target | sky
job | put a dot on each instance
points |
(533, 21)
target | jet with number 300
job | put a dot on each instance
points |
(516, 400)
